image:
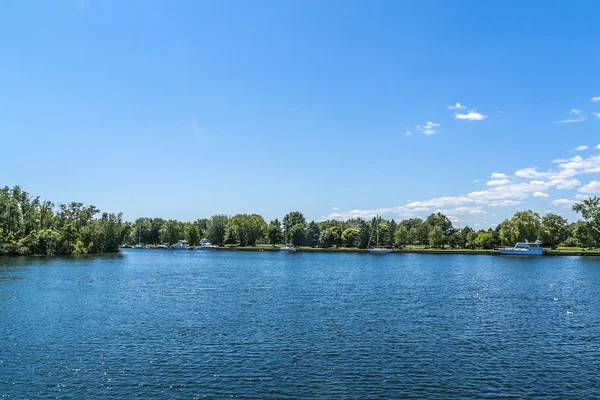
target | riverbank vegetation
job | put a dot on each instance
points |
(29, 225)
(434, 232)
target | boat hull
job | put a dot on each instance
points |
(380, 251)
(207, 248)
(288, 249)
(513, 252)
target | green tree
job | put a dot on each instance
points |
(313, 234)
(327, 238)
(192, 234)
(402, 236)
(364, 234)
(274, 232)
(524, 225)
(216, 229)
(585, 234)
(392, 226)
(471, 240)
(590, 212)
(437, 237)
(249, 228)
(455, 240)
(484, 240)
(171, 232)
(350, 237)
(297, 234)
(555, 230)
(292, 219)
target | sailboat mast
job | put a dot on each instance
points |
(377, 230)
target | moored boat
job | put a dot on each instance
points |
(206, 245)
(380, 250)
(377, 249)
(181, 245)
(288, 248)
(523, 249)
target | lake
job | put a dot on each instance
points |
(190, 324)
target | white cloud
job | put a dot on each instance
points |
(408, 133)
(596, 114)
(368, 214)
(575, 111)
(440, 202)
(595, 99)
(505, 203)
(479, 180)
(334, 208)
(463, 210)
(592, 187)
(571, 120)
(470, 116)
(529, 173)
(429, 128)
(565, 184)
(457, 106)
(582, 196)
(504, 192)
(581, 148)
(498, 182)
(563, 202)
(598, 147)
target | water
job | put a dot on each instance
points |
(168, 325)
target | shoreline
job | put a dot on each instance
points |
(552, 253)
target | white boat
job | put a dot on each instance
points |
(290, 248)
(181, 245)
(523, 249)
(377, 249)
(380, 250)
(140, 245)
(206, 245)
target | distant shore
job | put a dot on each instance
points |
(301, 249)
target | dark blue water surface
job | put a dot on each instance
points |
(191, 324)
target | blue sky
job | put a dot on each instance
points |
(186, 109)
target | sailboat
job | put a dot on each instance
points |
(140, 245)
(377, 249)
(288, 247)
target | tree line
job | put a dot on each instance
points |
(29, 225)
(435, 231)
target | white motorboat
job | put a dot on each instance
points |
(181, 245)
(206, 245)
(523, 249)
